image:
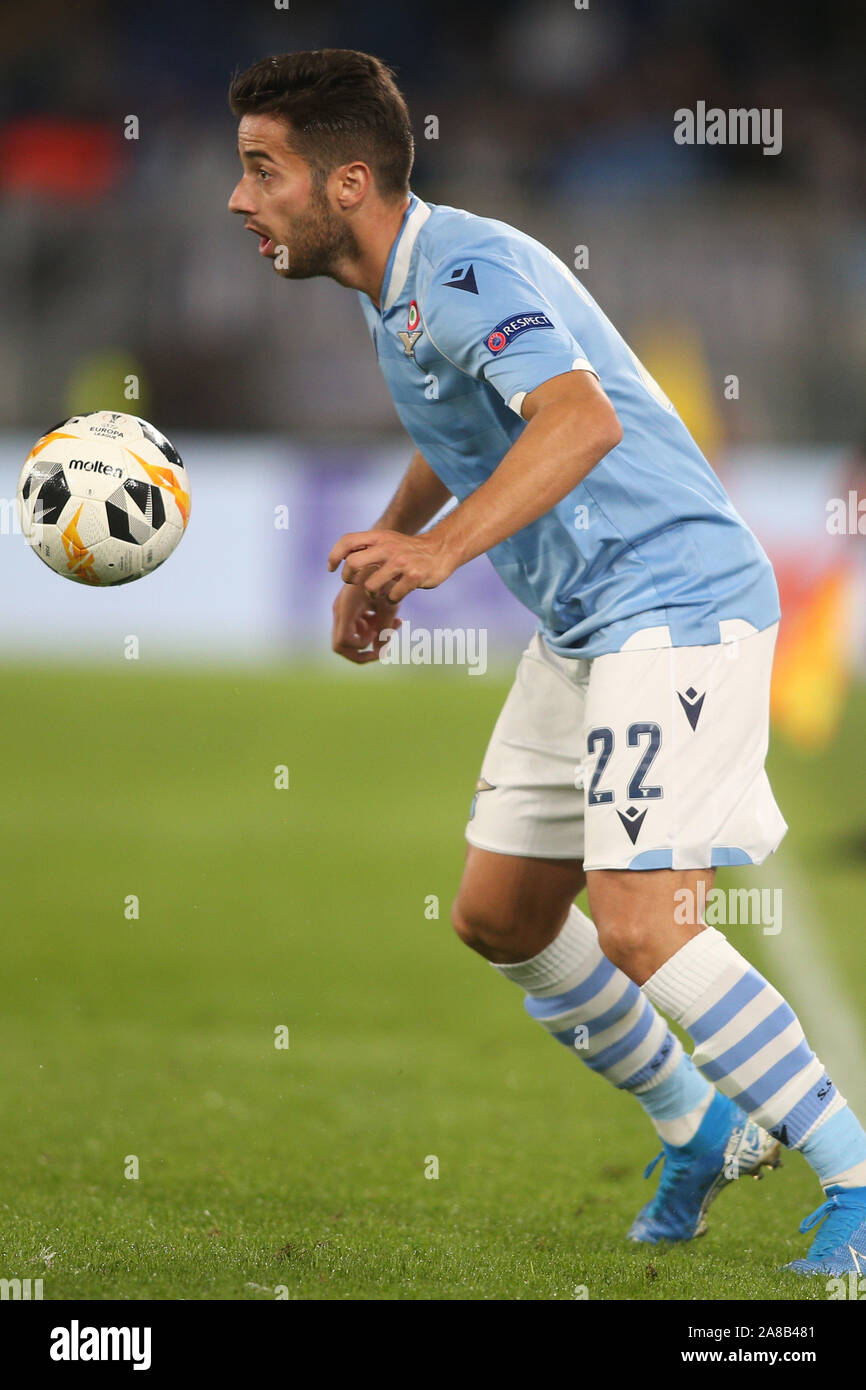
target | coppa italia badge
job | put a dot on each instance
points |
(509, 329)
(410, 338)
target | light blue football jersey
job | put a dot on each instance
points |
(474, 315)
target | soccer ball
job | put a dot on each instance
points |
(103, 498)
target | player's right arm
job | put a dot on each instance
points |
(417, 500)
(358, 619)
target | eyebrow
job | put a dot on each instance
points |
(256, 154)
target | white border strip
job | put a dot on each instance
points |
(799, 969)
(400, 269)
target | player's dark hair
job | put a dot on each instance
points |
(341, 105)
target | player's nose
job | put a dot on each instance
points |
(237, 202)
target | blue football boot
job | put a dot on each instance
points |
(728, 1145)
(840, 1245)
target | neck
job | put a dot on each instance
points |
(366, 271)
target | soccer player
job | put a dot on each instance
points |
(629, 755)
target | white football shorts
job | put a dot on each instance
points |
(651, 757)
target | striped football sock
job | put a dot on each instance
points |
(600, 1015)
(749, 1043)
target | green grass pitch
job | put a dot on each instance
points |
(300, 1171)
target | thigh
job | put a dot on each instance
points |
(515, 903)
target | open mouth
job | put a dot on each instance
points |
(266, 243)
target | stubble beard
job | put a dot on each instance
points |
(320, 241)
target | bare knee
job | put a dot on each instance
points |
(637, 916)
(493, 930)
(510, 907)
(505, 931)
(623, 938)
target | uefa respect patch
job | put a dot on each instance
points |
(509, 329)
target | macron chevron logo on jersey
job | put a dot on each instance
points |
(505, 332)
(462, 278)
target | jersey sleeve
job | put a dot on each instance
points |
(494, 324)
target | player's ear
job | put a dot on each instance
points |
(353, 182)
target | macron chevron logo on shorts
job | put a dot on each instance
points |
(692, 703)
(505, 332)
(632, 822)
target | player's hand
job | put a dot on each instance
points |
(360, 621)
(388, 564)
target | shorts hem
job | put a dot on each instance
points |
(713, 857)
(524, 853)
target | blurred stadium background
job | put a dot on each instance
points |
(118, 260)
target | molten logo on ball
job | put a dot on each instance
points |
(108, 512)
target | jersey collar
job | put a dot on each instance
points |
(397, 268)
